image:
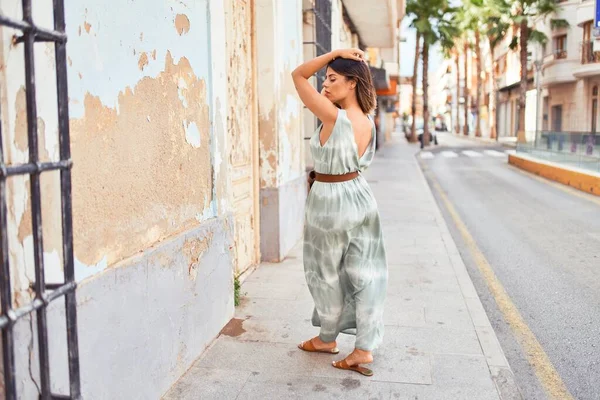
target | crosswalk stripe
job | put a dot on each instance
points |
(470, 153)
(426, 154)
(449, 154)
(494, 153)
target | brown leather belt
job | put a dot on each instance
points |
(336, 178)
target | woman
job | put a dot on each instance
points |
(344, 255)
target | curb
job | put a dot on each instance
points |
(485, 140)
(586, 181)
(500, 370)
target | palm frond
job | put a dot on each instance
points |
(559, 23)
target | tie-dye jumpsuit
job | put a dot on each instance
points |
(344, 255)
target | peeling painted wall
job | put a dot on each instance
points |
(143, 151)
(279, 38)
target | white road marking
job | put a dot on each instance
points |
(510, 151)
(471, 153)
(494, 153)
(449, 154)
(426, 155)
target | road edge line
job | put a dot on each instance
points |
(536, 356)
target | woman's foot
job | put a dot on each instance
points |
(359, 356)
(353, 361)
(317, 345)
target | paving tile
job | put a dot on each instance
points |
(436, 340)
(449, 316)
(286, 386)
(201, 383)
(396, 365)
(391, 365)
(271, 290)
(285, 310)
(286, 332)
(467, 377)
(399, 312)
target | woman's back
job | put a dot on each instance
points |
(340, 153)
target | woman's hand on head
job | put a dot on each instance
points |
(351, 54)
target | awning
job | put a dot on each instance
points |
(376, 20)
(381, 79)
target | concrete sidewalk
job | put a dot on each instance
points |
(439, 343)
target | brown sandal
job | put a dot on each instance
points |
(310, 347)
(344, 365)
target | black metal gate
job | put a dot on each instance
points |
(30, 34)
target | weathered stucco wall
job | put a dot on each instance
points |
(151, 208)
(140, 126)
(279, 51)
(142, 141)
(283, 190)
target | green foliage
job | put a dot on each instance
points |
(236, 291)
(433, 19)
(538, 37)
(559, 23)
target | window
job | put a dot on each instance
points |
(560, 47)
(588, 55)
(587, 31)
(29, 37)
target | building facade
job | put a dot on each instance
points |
(570, 74)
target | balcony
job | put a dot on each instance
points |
(558, 68)
(588, 55)
(590, 61)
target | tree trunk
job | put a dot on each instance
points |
(457, 93)
(524, 33)
(479, 85)
(425, 93)
(413, 131)
(493, 94)
(466, 92)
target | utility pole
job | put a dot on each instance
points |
(538, 68)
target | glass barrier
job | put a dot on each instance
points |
(576, 149)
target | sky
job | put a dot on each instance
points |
(407, 49)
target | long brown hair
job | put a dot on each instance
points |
(359, 72)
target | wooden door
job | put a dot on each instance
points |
(242, 132)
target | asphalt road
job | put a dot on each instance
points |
(543, 243)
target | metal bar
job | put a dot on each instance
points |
(8, 354)
(34, 168)
(318, 45)
(36, 204)
(66, 200)
(318, 15)
(27, 27)
(37, 304)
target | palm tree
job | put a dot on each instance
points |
(495, 28)
(523, 13)
(457, 54)
(413, 132)
(485, 19)
(433, 21)
(450, 50)
(469, 20)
